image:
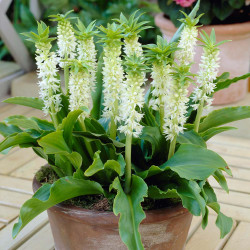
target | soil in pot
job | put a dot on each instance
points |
(74, 227)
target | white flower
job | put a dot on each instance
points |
(80, 90)
(66, 39)
(132, 99)
(87, 53)
(112, 77)
(208, 71)
(187, 45)
(175, 110)
(162, 81)
(132, 46)
(49, 83)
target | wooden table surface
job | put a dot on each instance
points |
(19, 166)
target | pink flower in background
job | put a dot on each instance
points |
(184, 3)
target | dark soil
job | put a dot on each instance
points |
(99, 202)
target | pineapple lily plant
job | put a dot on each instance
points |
(108, 136)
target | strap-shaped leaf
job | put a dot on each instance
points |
(49, 195)
(130, 210)
(17, 140)
(7, 130)
(156, 193)
(209, 133)
(193, 162)
(223, 116)
(226, 83)
(26, 101)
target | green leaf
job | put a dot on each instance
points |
(223, 116)
(17, 140)
(68, 124)
(222, 9)
(26, 101)
(54, 143)
(49, 195)
(224, 223)
(96, 166)
(189, 192)
(227, 82)
(194, 162)
(155, 193)
(209, 133)
(191, 137)
(220, 178)
(7, 130)
(130, 210)
(22, 122)
(97, 94)
(237, 4)
(153, 170)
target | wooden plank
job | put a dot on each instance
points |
(42, 240)
(230, 140)
(28, 170)
(14, 110)
(15, 160)
(5, 234)
(242, 186)
(236, 212)
(7, 214)
(208, 239)
(231, 150)
(240, 173)
(15, 184)
(196, 222)
(236, 161)
(234, 198)
(12, 199)
(240, 238)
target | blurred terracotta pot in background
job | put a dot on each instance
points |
(235, 55)
(76, 228)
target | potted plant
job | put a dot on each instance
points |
(143, 158)
(230, 19)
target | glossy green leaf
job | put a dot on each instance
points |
(130, 210)
(26, 101)
(195, 162)
(68, 124)
(49, 195)
(153, 170)
(22, 122)
(191, 137)
(96, 166)
(17, 140)
(7, 130)
(209, 133)
(190, 194)
(222, 116)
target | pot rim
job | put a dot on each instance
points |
(78, 213)
(236, 29)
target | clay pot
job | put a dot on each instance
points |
(75, 228)
(235, 55)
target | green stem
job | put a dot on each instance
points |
(113, 129)
(53, 112)
(198, 117)
(162, 117)
(66, 79)
(172, 147)
(128, 163)
(87, 144)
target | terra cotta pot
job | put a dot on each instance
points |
(76, 228)
(235, 55)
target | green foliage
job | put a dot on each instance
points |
(214, 10)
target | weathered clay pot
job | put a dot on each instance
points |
(76, 228)
(235, 55)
